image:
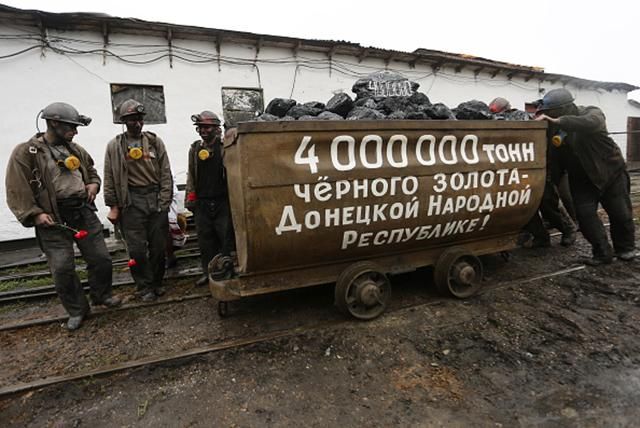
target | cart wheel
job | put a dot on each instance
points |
(362, 291)
(458, 273)
(223, 309)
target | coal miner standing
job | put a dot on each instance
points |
(138, 188)
(206, 192)
(51, 184)
(597, 174)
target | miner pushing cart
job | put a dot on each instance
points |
(349, 202)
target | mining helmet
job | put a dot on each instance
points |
(498, 105)
(131, 107)
(63, 112)
(205, 118)
(556, 98)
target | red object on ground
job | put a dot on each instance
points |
(191, 196)
(81, 234)
(132, 263)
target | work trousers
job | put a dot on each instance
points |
(215, 229)
(564, 191)
(616, 202)
(57, 244)
(145, 227)
(552, 211)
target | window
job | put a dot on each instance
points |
(152, 96)
(241, 104)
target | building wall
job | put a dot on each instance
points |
(36, 78)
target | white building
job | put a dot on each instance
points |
(93, 61)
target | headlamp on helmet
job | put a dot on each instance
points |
(84, 120)
(206, 118)
(65, 113)
(130, 107)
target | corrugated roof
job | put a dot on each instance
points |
(83, 21)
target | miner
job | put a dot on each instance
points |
(51, 184)
(138, 189)
(206, 192)
(597, 174)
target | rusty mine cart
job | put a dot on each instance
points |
(348, 202)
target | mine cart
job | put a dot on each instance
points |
(349, 202)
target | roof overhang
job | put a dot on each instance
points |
(105, 24)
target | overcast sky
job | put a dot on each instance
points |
(589, 39)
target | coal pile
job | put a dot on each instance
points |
(383, 96)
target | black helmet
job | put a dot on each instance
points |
(130, 107)
(63, 112)
(556, 98)
(205, 118)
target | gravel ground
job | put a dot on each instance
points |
(563, 351)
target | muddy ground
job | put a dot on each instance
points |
(563, 351)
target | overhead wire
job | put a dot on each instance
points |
(156, 52)
(11, 55)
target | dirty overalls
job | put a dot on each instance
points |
(550, 208)
(212, 212)
(57, 243)
(598, 176)
(145, 224)
(615, 200)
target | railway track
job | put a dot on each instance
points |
(44, 291)
(233, 343)
(113, 249)
(33, 293)
(192, 239)
(218, 346)
(119, 263)
(98, 312)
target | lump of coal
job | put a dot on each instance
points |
(417, 115)
(340, 104)
(391, 104)
(308, 117)
(513, 115)
(366, 102)
(364, 113)
(472, 110)
(266, 117)
(315, 104)
(299, 110)
(327, 115)
(397, 115)
(439, 111)
(279, 106)
(419, 99)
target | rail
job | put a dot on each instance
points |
(241, 342)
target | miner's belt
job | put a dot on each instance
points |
(143, 190)
(71, 203)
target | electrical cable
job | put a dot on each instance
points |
(155, 52)
(11, 55)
